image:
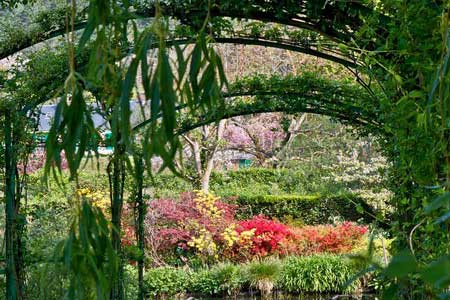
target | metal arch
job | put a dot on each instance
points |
(356, 117)
(298, 19)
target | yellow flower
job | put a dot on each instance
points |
(204, 243)
(206, 204)
(97, 198)
(230, 235)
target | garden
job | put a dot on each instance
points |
(224, 149)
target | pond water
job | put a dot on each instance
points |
(294, 297)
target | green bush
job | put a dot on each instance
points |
(318, 274)
(167, 185)
(250, 181)
(223, 279)
(130, 282)
(41, 276)
(308, 209)
(263, 275)
(165, 281)
(203, 282)
(230, 278)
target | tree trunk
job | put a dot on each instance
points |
(206, 176)
(210, 161)
(116, 181)
(140, 224)
(13, 265)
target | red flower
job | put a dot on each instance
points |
(269, 236)
(338, 238)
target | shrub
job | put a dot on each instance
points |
(195, 224)
(41, 276)
(311, 210)
(268, 236)
(165, 281)
(263, 275)
(203, 282)
(223, 279)
(318, 274)
(250, 181)
(167, 185)
(271, 181)
(340, 238)
(36, 161)
(130, 282)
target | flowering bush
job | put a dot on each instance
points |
(340, 238)
(36, 161)
(97, 198)
(267, 236)
(205, 227)
(197, 223)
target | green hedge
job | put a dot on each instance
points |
(250, 181)
(318, 273)
(312, 209)
(271, 181)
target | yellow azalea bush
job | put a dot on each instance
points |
(97, 198)
(204, 244)
(206, 205)
(230, 235)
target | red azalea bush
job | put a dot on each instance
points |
(269, 236)
(340, 238)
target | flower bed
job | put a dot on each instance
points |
(204, 229)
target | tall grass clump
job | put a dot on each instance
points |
(318, 274)
(263, 275)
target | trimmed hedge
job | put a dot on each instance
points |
(260, 181)
(311, 210)
(270, 181)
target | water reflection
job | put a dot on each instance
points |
(279, 296)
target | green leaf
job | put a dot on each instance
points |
(401, 265)
(391, 292)
(438, 273)
(87, 33)
(443, 218)
(438, 202)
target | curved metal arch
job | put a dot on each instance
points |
(285, 44)
(326, 22)
(333, 19)
(357, 119)
(288, 45)
(256, 42)
(342, 101)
